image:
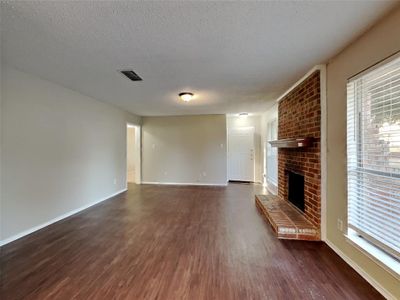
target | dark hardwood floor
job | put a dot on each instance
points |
(160, 242)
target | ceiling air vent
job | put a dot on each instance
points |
(131, 75)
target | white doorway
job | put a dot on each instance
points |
(133, 163)
(241, 154)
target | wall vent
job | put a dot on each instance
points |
(131, 75)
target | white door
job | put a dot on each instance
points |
(241, 154)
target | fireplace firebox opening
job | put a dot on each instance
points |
(296, 189)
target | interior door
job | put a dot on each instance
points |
(241, 154)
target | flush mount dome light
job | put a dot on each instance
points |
(243, 114)
(186, 96)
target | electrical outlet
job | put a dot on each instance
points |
(115, 181)
(340, 224)
(165, 173)
(204, 174)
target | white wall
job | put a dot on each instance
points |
(1, 108)
(250, 121)
(376, 44)
(61, 151)
(184, 149)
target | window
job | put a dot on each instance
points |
(272, 153)
(373, 155)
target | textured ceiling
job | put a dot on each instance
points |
(235, 56)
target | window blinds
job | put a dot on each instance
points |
(272, 153)
(373, 155)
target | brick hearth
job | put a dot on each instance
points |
(285, 220)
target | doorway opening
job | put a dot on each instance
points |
(133, 157)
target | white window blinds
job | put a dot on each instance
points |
(272, 153)
(373, 155)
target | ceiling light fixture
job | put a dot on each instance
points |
(243, 114)
(186, 96)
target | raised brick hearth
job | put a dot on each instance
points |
(286, 221)
(299, 117)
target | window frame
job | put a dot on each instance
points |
(272, 134)
(367, 244)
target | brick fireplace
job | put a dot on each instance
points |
(300, 116)
(295, 213)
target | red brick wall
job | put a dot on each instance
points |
(300, 116)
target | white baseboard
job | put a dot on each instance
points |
(59, 218)
(185, 183)
(385, 293)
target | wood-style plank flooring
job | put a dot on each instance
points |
(166, 242)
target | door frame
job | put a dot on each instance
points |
(253, 130)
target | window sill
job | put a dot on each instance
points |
(386, 261)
